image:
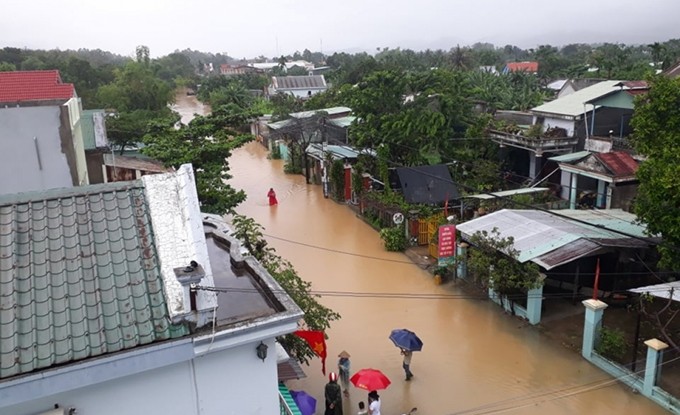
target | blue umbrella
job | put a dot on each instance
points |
(305, 403)
(406, 339)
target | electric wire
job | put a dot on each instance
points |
(413, 296)
(398, 261)
(497, 407)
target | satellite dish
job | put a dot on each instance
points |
(398, 218)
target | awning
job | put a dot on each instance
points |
(550, 240)
(661, 290)
(287, 367)
(504, 193)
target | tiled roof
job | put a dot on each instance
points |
(20, 86)
(298, 82)
(79, 276)
(522, 67)
(620, 163)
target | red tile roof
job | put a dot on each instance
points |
(619, 163)
(522, 67)
(21, 86)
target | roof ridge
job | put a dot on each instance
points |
(59, 193)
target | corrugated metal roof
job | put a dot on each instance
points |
(79, 276)
(661, 290)
(537, 233)
(134, 163)
(90, 129)
(619, 163)
(298, 82)
(572, 104)
(343, 122)
(429, 185)
(330, 111)
(337, 152)
(565, 158)
(504, 193)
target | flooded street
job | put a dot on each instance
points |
(475, 359)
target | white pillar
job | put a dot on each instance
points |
(655, 350)
(600, 193)
(592, 326)
(572, 191)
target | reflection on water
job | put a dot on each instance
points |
(474, 355)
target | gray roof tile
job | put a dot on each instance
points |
(79, 276)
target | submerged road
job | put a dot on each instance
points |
(476, 359)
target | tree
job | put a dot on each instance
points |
(136, 88)
(493, 262)
(316, 315)
(7, 67)
(207, 143)
(416, 115)
(656, 126)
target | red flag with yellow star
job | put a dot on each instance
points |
(317, 341)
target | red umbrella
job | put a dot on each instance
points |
(370, 379)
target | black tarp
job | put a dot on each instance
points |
(430, 185)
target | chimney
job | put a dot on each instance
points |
(190, 277)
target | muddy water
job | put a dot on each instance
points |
(476, 360)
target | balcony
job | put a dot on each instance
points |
(539, 145)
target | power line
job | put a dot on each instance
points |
(496, 407)
(409, 296)
(337, 251)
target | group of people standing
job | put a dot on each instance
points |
(333, 392)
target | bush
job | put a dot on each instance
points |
(394, 238)
(612, 344)
(276, 151)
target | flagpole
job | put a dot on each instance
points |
(597, 279)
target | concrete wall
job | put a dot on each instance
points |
(75, 112)
(557, 122)
(623, 195)
(33, 154)
(233, 381)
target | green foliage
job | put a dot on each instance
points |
(394, 238)
(7, 67)
(317, 316)
(337, 179)
(284, 105)
(126, 129)
(656, 125)
(612, 344)
(493, 262)
(207, 143)
(415, 114)
(276, 151)
(135, 88)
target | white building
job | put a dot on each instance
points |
(103, 312)
(298, 86)
(41, 143)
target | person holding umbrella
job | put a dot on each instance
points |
(343, 370)
(407, 342)
(407, 363)
(333, 396)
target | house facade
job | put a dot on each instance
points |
(40, 132)
(116, 318)
(565, 125)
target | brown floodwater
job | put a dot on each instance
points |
(475, 359)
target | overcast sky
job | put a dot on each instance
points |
(249, 28)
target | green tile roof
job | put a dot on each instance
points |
(79, 276)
